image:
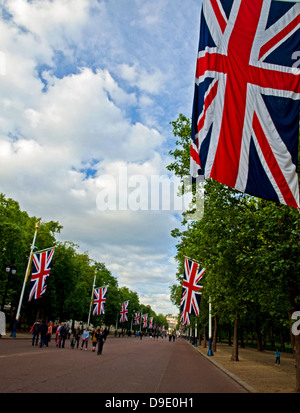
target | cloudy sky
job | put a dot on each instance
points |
(87, 91)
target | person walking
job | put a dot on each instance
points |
(35, 332)
(94, 339)
(85, 338)
(63, 331)
(277, 357)
(101, 337)
(43, 330)
(77, 335)
(57, 334)
(49, 332)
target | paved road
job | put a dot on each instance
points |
(127, 365)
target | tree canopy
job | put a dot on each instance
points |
(250, 248)
(69, 289)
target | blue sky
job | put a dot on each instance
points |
(88, 88)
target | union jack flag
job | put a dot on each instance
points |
(99, 300)
(245, 123)
(137, 318)
(145, 317)
(41, 266)
(151, 322)
(191, 291)
(124, 312)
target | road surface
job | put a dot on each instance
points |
(127, 365)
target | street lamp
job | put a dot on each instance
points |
(10, 269)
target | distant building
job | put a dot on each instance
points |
(172, 321)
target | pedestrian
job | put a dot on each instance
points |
(43, 332)
(35, 332)
(63, 331)
(85, 338)
(57, 334)
(277, 356)
(49, 332)
(77, 336)
(94, 339)
(105, 332)
(101, 336)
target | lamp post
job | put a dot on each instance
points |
(10, 269)
(210, 352)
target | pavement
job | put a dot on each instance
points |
(255, 371)
(126, 366)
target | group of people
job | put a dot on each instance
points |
(42, 334)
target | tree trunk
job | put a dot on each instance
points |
(272, 337)
(258, 337)
(204, 337)
(215, 335)
(235, 349)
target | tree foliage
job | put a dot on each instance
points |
(69, 290)
(249, 246)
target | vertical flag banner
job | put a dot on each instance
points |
(151, 322)
(137, 318)
(245, 121)
(191, 290)
(124, 312)
(99, 300)
(145, 318)
(41, 266)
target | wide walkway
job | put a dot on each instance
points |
(127, 365)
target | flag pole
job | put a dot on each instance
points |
(95, 272)
(13, 334)
(210, 353)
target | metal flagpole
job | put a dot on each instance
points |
(196, 334)
(210, 353)
(13, 334)
(95, 272)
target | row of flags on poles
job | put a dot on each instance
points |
(41, 266)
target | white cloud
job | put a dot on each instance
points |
(89, 89)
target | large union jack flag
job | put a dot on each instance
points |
(124, 312)
(245, 123)
(99, 300)
(41, 266)
(191, 290)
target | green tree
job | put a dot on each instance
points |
(248, 245)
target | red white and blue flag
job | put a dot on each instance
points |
(191, 290)
(145, 318)
(124, 312)
(245, 123)
(137, 318)
(99, 300)
(41, 266)
(151, 322)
